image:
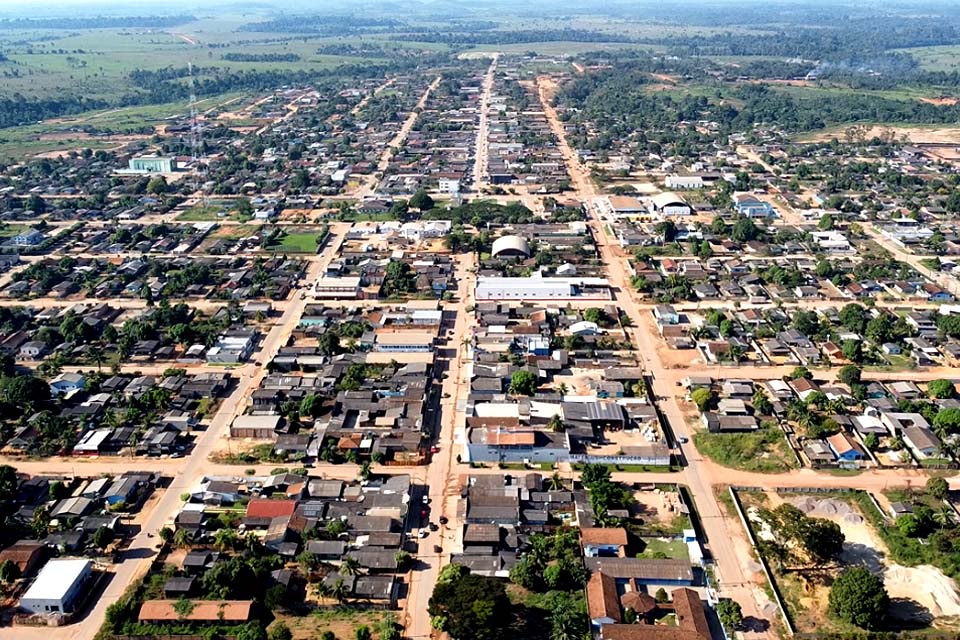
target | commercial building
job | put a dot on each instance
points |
(536, 288)
(670, 204)
(153, 164)
(684, 182)
(332, 288)
(58, 587)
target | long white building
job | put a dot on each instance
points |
(535, 288)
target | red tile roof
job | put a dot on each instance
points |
(268, 508)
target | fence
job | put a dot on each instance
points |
(579, 458)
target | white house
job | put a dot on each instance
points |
(66, 382)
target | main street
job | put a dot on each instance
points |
(725, 539)
(481, 148)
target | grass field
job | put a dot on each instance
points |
(10, 230)
(663, 548)
(764, 451)
(297, 242)
(942, 58)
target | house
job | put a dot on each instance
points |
(66, 383)
(604, 542)
(33, 350)
(845, 448)
(27, 238)
(752, 207)
(922, 442)
(26, 554)
(666, 314)
(255, 426)
(691, 618)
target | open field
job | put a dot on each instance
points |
(765, 451)
(914, 133)
(942, 58)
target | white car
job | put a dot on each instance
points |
(423, 533)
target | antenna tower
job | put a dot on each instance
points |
(195, 134)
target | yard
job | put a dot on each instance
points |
(765, 450)
(664, 548)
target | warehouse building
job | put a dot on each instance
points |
(152, 164)
(536, 288)
(58, 587)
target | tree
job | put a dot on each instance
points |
(471, 606)
(761, 402)
(26, 392)
(854, 317)
(661, 596)
(941, 389)
(311, 405)
(350, 566)
(182, 539)
(421, 200)
(909, 525)
(9, 571)
(826, 222)
(523, 383)
(556, 424)
(938, 487)
(251, 631)
(702, 397)
(102, 537)
(157, 186)
(328, 343)
(280, 631)
(336, 527)
(183, 607)
(852, 350)
(165, 534)
(729, 613)
(859, 597)
(871, 441)
(594, 315)
(947, 420)
(801, 372)
(821, 539)
(593, 474)
(850, 374)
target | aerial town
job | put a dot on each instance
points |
(543, 337)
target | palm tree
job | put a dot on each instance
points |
(562, 388)
(943, 517)
(555, 483)
(323, 590)
(556, 423)
(761, 402)
(182, 539)
(95, 353)
(350, 566)
(339, 591)
(225, 539)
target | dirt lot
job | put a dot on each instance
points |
(923, 585)
(913, 134)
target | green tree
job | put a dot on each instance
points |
(938, 487)
(730, 614)
(858, 597)
(9, 571)
(801, 372)
(947, 421)
(421, 200)
(102, 537)
(157, 186)
(523, 383)
(850, 374)
(281, 631)
(595, 315)
(826, 222)
(183, 607)
(941, 389)
(702, 397)
(251, 631)
(852, 350)
(471, 606)
(661, 596)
